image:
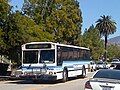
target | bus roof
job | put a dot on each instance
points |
(57, 44)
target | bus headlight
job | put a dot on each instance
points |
(54, 72)
(50, 73)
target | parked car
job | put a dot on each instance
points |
(117, 67)
(104, 79)
(101, 65)
(114, 63)
(115, 60)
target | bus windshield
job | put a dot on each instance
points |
(47, 56)
(30, 56)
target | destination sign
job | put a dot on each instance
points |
(38, 46)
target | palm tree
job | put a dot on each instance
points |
(106, 26)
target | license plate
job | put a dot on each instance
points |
(106, 88)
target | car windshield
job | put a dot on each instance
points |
(47, 56)
(115, 60)
(109, 74)
(30, 56)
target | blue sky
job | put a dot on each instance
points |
(92, 10)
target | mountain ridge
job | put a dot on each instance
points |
(114, 40)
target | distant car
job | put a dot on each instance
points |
(115, 60)
(117, 67)
(101, 65)
(114, 63)
(104, 79)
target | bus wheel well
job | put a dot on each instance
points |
(83, 66)
(65, 74)
(65, 68)
(83, 71)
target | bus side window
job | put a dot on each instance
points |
(70, 55)
(75, 55)
(86, 54)
(81, 54)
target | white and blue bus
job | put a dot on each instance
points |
(53, 61)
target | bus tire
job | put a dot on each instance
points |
(65, 75)
(83, 72)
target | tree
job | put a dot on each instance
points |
(113, 51)
(40, 20)
(106, 26)
(22, 29)
(4, 12)
(61, 18)
(91, 38)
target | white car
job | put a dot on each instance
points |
(101, 65)
(114, 63)
(115, 60)
(104, 79)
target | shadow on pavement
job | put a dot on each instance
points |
(41, 82)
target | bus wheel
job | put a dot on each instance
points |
(83, 72)
(65, 75)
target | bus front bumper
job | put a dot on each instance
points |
(39, 77)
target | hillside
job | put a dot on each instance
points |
(115, 40)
